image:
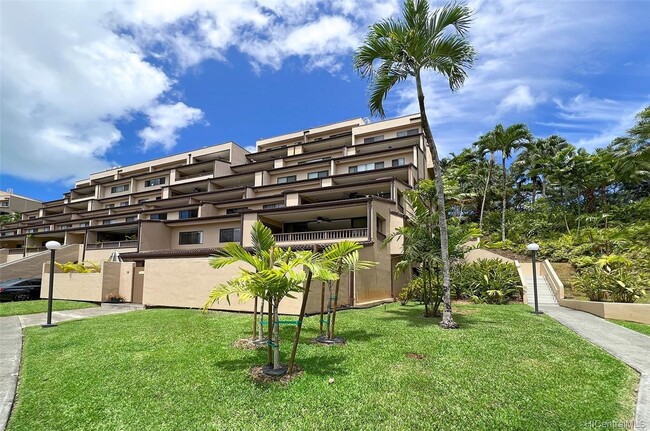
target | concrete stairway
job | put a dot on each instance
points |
(32, 266)
(545, 295)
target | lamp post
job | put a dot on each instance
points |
(53, 246)
(533, 249)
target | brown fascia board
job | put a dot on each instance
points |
(198, 219)
(206, 252)
(343, 186)
(383, 141)
(350, 157)
(397, 213)
(307, 207)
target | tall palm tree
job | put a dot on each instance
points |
(395, 50)
(507, 140)
(486, 144)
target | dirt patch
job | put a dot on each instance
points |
(510, 254)
(412, 355)
(247, 344)
(258, 375)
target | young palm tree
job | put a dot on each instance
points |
(395, 50)
(263, 242)
(338, 259)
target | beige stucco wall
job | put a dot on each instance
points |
(115, 277)
(98, 256)
(166, 283)
(611, 310)
(154, 236)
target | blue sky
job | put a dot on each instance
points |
(89, 85)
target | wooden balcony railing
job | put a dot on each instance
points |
(323, 235)
(112, 244)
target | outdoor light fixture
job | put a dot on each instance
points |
(533, 249)
(53, 246)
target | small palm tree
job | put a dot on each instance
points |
(395, 50)
(338, 259)
(486, 144)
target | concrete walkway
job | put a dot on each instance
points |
(11, 340)
(629, 346)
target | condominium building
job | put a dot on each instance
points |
(11, 203)
(165, 217)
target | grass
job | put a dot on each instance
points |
(176, 369)
(638, 327)
(39, 306)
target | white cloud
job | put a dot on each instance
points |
(518, 99)
(165, 122)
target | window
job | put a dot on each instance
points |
(32, 230)
(154, 182)
(230, 235)
(373, 139)
(409, 132)
(123, 204)
(271, 206)
(119, 189)
(46, 229)
(131, 218)
(141, 201)
(4, 204)
(398, 162)
(359, 222)
(319, 174)
(365, 167)
(110, 206)
(236, 210)
(288, 179)
(188, 214)
(66, 226)
(108, 221)
(83, 224)
(159, 216)
(192, 237)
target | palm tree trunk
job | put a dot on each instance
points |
(261, 325)
(336, 303)
(503, 204)
(485, 192)
(447, 319)
(303, 307)
(329, 310)
(276, 335)
(322, 307)
(269, 324)
(255, 319)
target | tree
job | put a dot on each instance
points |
(395, 50)
(9, 218)
(338, 259)
(486, 144)
(507, 140)
(259, 259)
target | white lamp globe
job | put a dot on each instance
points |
(53, 245)
(532, 247)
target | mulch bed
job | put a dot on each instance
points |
(258, 376)
(510, 255)
(412, 355)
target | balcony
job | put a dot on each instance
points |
(321, 236)
(112, 244)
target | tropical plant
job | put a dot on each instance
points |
(231, 253)
(487, 280)
(79, 267)
(336, 260)
(9, 218)
(395, 50)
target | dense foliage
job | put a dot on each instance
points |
(581, 207)
(486, 280)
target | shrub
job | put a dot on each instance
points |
(486, 280)
(81, 267)
(412, 291)
(602, 283)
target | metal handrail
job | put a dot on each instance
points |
(112, 244)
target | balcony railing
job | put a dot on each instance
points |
(112, 244)
(324, 235)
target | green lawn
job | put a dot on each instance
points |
(638, 327)
(39, 306)
(177, 370)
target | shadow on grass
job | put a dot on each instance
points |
(412, 314)
(315, 365)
